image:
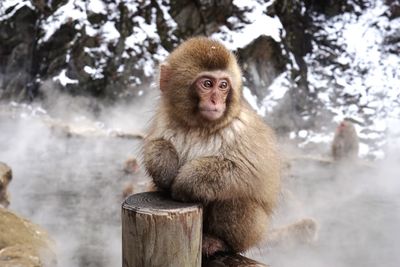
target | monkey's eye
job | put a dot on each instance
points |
(223, 85)
(207, 83)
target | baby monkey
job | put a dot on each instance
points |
(207, 145)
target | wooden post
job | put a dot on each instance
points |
(160, 232)
(157, 231)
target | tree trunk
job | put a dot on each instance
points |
(157, 231)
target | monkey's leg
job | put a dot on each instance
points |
(161, 161)
(240, 224)
(304, 231)
(212, 245)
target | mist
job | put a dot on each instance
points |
(356, 206)
(72, 186)
(307, 65)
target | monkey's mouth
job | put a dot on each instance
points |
(211, 114)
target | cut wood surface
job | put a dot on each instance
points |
(157, 231)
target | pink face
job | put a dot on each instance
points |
(342, 126)
(212, 89)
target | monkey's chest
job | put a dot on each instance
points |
(190, 147)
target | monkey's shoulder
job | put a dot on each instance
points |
(254, 125)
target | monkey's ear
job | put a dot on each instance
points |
(165, 73)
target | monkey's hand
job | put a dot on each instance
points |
(161, 162)
(207, 179)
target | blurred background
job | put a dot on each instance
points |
(77, 87)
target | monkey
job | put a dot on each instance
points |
(345, 143)
(205, 144)
(131, 166)
(5, 179)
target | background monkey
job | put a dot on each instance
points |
(5, 179)
(205, 144)
(345, 143)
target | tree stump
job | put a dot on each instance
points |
(157, 231)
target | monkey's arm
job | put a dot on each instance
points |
(161, 162)
(209, 179)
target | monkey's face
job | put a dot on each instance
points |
(212, 89)
(345, 128)
(201, 84)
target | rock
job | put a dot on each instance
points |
(52, 54)
(297, 25)
(394, 9)
(200, 17)
(392, 41)
(332, 7)
(82, 57)
(298, 43)
(5, 179)
(19, 255)
(23, 243)
(262, 62)
(17, 36)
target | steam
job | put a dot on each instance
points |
(357, 207)
(72, 186)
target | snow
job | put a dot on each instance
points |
(252, 100)
(276, 91)
(141, 33)
(303, 133)
(260, 24)
(145, 33)
(167, 17)
(97, 6)
(109, 32)
(77, 11)
(63, 79)
(17, 4)
(365, 69)
(363, 38)
(72, 10)
(370, 73)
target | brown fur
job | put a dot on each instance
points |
(231, 165)
(345, 142)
